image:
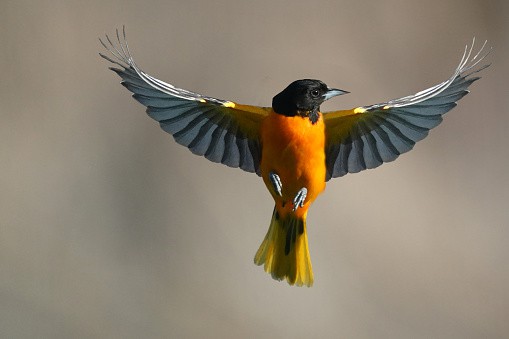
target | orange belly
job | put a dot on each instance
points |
(293, 148)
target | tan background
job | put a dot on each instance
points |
(110, 229)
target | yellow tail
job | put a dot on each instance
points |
(284, 251)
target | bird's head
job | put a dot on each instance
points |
(303, 98)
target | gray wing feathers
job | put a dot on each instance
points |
(391, 128)
(194, 120)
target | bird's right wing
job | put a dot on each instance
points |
(221, 130)
(365, 137)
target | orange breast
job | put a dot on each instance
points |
(293, 148)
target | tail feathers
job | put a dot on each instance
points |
(284, 251)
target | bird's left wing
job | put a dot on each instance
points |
(365, 137)
(222, 131)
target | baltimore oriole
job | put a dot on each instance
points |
(293, 146)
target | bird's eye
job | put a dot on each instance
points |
(315, 93)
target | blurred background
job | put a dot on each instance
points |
(109, 229)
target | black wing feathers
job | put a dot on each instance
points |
(368, 136)
(208, 126)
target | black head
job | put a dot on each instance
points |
(303, 98)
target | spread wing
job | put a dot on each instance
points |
(365, 137)
(222, 131)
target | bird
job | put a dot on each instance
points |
(292, 145)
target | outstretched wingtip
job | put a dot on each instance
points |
(468, 63)
(118, 49)
(467, 66)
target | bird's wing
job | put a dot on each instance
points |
(221, 130)
(365, 137)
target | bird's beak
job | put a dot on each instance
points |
(332, 92)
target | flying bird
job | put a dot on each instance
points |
(292, 145)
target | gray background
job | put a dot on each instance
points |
(108, 228)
